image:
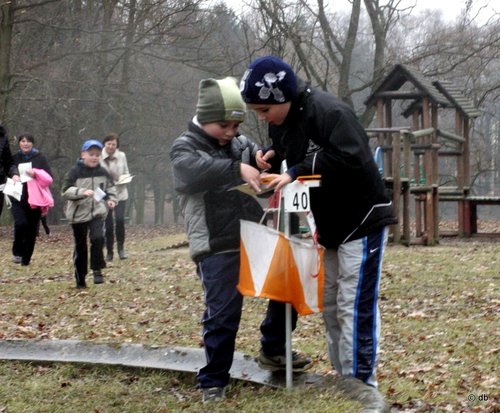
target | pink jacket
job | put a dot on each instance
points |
(39, 195)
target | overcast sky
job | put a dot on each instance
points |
(450, 8)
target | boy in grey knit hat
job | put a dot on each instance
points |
(209, 158)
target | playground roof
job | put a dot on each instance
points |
(455, 96)
(441, 93)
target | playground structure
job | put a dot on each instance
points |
(410, 157)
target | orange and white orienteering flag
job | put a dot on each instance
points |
(282, 269)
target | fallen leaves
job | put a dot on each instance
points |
(439, 308)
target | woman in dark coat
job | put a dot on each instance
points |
(26, 218)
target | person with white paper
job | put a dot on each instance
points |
(32, 165)
(8, 168)
(90, 193)
(115, 162)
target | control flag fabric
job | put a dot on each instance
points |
(280, 268)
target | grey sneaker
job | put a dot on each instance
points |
(98, 278)
(275, 363)
(17, 259)
(371, 399)
(214, 394)
(122, 254)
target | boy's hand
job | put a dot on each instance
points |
(16, 178)
(111, 204)
(261, 158)
(250, 175)
(280, 181)
(267, 178)
(89, 193)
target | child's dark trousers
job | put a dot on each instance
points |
(219, 275)
(94, 229)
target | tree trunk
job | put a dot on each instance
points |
(126, 68)
(6, 24)
(102, 63)
(140, 199)
(344, 91)
(159, 201)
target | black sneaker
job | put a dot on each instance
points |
(214, 394)
(276, 363)
(109, 257)
(98, 278)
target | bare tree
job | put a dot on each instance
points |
(71, 69)
(323, 44)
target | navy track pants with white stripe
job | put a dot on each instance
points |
(351, 315)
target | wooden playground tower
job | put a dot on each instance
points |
(410, 155)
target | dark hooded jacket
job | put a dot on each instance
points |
(7, 166)
(321, 135)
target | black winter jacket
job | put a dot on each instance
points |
(203, 171)
(321, 135)
(7, 166)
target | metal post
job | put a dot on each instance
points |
(289, 381)
(284, 226)
(288, 319)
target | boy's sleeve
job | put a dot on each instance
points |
(247, 150)
(69, 190)
(253, 151)
(197, 171)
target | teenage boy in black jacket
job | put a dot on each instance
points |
(316, 133)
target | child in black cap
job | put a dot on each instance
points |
(316, 133)
(90, 191)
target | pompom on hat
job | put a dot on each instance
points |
(219, 100)
(268, 80)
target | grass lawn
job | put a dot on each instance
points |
(439, 352)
